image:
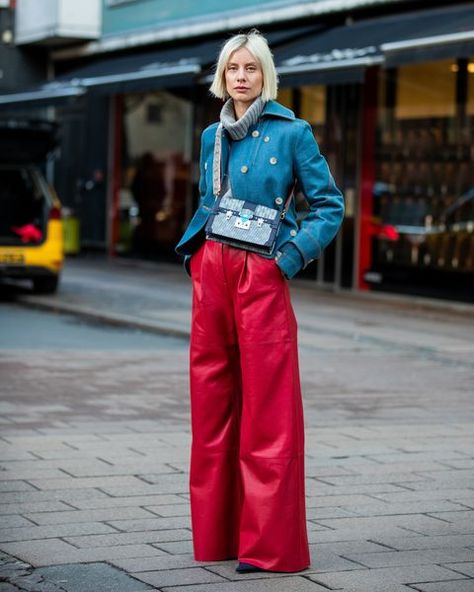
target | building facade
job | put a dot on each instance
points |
(391, 105)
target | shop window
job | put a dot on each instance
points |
(285, 97)
(313, 104)
(155, 169)
(423, 218)
(470, 88)
(426, 90)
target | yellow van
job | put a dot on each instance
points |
(31, 228)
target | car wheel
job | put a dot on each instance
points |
(45, 285)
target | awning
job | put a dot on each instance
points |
(342, 53)
(139, 72)
(46, 94)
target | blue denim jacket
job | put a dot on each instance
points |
(263, 166)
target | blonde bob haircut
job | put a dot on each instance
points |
(257, 45)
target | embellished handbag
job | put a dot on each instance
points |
(245, 224)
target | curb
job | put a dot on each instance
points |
(116, 320)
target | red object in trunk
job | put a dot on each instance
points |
(29, 233)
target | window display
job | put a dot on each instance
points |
(424, 190)
(156, 157)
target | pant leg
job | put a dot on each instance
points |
(215, 490)
(273, 531)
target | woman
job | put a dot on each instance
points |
(247, 453)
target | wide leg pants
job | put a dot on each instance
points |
(247, 453)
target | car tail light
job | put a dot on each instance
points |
(55, 213)
(389, 232)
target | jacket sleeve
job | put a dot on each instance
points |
(326, 206)
(202, 193)
(202, 170)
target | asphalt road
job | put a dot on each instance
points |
(22, 328)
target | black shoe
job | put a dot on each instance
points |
(247, 568)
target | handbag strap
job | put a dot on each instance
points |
(288, 200)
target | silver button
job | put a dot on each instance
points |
(205, 166)
(266, 139)
(255, 133)
(244, 168)
(278, 200)
(273, 160)
(293, 232)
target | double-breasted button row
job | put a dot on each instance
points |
(256, 134)
(244, 168)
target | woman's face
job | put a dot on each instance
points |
(243, 76)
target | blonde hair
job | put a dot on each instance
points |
(256, 43)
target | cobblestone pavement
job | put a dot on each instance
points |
(94, 452)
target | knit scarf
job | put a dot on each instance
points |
(237, 129)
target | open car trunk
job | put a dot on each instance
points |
(24, 206)
(25, 199)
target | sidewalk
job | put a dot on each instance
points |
(157, 296)
(94, 446)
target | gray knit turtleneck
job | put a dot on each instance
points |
(237, 129)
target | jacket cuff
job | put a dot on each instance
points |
(290, 260)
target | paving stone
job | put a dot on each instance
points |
(31, 533)
(464, 567)
(31, 474)
(454, 586)
(27, 507)
(10, 486)
(57, 552)
(151, 523)
(414, 496)
(163, 562)
(149, 502)
(376, 477)
(169, 510)
(53, 494)
(127, 538)
(4, 587)
(14, 521)
(440, 507)
(179, 577)
(99, 515)
(36, 552)
(395, 558)
(176, 548)
(418, 523)
(97, 577)
(459, 517)
(384, 579)
(280, 583)
(142, 488)
(409, 543)
(105, 483)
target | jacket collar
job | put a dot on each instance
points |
(275, 109)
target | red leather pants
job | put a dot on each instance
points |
(247, 453)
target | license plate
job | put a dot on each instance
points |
(12, 258)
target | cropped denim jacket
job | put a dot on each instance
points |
(263, 167)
